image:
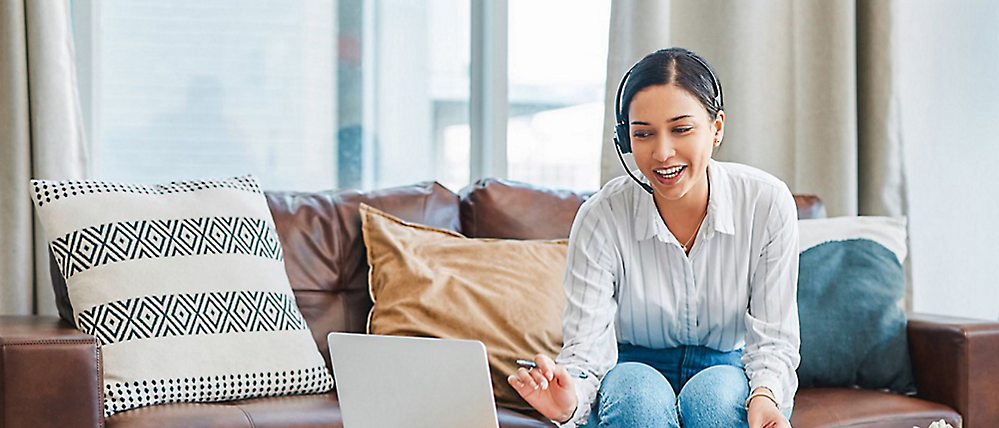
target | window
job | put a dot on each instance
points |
(321, 94)
(420, 75)
(556, 85)
(206, 89)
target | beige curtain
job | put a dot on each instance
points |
(41, 136)
(810, 89)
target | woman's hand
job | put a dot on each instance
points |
(548, 388)
(763, 413)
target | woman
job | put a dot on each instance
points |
(680, 307)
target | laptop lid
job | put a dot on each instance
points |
(412, 382)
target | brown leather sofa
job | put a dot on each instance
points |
(50, 373)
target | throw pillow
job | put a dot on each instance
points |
(850, 290)
(184, 287)
(436, 283)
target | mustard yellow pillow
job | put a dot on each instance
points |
(436, 283)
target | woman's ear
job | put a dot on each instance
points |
(719, 128)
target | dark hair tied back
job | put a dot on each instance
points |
(677, 66)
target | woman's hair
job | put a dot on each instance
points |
(676, 66)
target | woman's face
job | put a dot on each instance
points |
(672, 138)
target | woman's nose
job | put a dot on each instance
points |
(664, 149)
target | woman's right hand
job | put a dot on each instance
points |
(548, 388)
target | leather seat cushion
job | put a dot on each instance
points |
(845, 407)
(297, 411)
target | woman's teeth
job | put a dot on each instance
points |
(670, 172)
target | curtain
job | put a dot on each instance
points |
(41, 136)
(810, 89)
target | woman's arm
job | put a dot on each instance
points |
(772, 341)
(589, 340)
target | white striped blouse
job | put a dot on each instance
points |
(627, 280)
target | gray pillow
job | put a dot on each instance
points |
(850, 285)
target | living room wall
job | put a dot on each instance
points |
(949, 57)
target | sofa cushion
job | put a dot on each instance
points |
(809, 207)
(864, 408)
(183, 285)
(436, 283)
(494, 208)
(324, 251)
(850, 289)
(301, 411)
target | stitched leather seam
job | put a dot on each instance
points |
(3, 389)
(248, 418)
(82, 341)
(87, 341)
(964, 383)
(100, 387)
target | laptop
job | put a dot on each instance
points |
(411, 382)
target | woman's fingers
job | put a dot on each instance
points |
(554, 373)
(539, 378)
(524, 381)
(546, 366)
(534, 379)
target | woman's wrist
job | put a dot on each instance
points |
(762, 392)
(567, 416)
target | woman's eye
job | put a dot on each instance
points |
(641, 134)
(682, 129)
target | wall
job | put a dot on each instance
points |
(949, 60)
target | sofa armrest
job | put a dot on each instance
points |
(955, 362)
(50, 374)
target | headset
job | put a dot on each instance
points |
(622, 139)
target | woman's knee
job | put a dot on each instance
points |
(715, 397)
(635, 394)
(637, 381)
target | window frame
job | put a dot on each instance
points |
(488, 81)
(488, 97)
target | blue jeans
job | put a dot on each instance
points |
(695, 385)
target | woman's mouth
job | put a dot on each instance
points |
(669, 175)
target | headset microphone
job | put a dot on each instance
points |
(645, 186)
(622, 142)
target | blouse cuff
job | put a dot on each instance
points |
(770, 382)
(584, 400)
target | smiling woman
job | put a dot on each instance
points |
(672, 139)
(680, 290)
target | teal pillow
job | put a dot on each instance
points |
(850, 289)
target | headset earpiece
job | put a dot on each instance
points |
(622, 141)
(621, 137)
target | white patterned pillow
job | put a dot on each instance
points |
(184, 287)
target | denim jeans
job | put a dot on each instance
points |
(695, 386)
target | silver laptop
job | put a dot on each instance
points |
(411, 382)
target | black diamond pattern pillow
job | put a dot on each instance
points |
(184, 287)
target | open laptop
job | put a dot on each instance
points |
(411, 382)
